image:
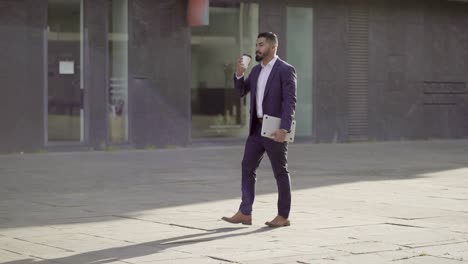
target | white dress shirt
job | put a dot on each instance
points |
(261, 84)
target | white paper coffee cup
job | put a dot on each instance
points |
(246, 61)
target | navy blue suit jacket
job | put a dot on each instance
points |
(280, 95)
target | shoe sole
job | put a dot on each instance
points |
(275, 226)
(244, 223)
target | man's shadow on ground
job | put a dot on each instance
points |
(144, 249)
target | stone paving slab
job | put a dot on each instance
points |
(396, 202)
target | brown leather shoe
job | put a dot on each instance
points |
(279, 221)
(239, 218)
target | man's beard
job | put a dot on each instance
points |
(261, 56)
(258, 58)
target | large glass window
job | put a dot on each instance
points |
(299, 53)
(65, 75)
(217, 109)
(118, 71)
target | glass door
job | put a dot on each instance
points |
(299, 53)
(65, 113)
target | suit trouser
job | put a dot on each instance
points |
(255, 148)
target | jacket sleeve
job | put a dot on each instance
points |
(289, 94)
(242, 85)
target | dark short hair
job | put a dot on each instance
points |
(269, 36)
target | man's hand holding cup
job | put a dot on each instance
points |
(242, 64)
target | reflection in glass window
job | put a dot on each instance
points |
(217, 109)
(299, 54)
(118, 70)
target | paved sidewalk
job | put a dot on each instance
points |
(402, 202)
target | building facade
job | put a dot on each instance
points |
(103, 73)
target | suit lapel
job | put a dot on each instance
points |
(255, 76)
(270, 77)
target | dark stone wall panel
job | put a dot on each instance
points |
(159, 73)
(22, 25)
